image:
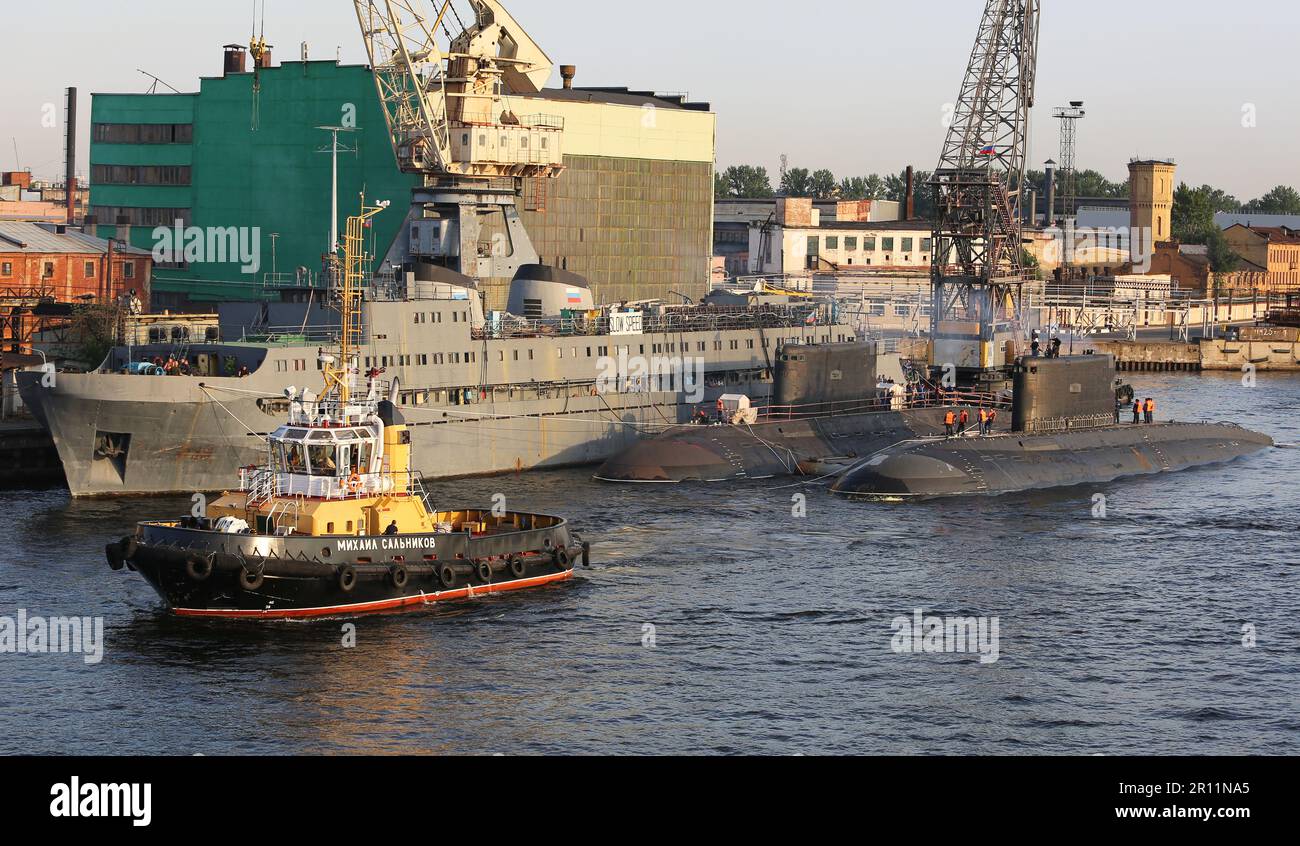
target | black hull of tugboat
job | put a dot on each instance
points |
(203, 574)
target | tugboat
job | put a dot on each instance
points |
(336, 523)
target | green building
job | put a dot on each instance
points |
(244, 173)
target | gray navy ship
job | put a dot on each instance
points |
(483, 393)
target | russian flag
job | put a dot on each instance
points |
(574, 296)
(990, 150)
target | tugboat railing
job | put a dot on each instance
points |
(263, 485)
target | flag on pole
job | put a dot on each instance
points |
(990, 150)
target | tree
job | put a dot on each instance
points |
(1281, 200)
(923, 195)
(1193, 215)
(796, 183)
(822, 185)
(744, 181)
(1221, 200)
(1222, 258)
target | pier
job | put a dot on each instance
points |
(27, 455)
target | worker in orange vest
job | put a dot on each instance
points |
(1137, 411)
(984, 422)
(993, 418)
(963, 421)
(1151, 411)
(950, 420)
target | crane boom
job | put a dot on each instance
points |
(977, 267)
(444, 96)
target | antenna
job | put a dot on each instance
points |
(153, 89)
(1069, 116)
(334, 149)
(18, 163)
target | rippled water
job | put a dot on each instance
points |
(772, 634)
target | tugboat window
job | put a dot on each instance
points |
(324, 460)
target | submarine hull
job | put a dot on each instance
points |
(808, 447)
(935, 468)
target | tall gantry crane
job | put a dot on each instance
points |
(445, 87)
(977, 266)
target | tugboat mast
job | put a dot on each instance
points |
(351, 285)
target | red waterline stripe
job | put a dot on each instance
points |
(371, 607)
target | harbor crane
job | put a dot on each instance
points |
(977, 264)
(446, 90)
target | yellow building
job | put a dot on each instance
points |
(1151, 198)
(1275, 248)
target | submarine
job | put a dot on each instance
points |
(825, 418)
(1063, 433)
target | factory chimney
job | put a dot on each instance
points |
(1049, 189)
(70, 175)
(909, 207)
(567, 73)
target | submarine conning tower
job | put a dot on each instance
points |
(1063, 394)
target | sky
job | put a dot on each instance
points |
(857, 87)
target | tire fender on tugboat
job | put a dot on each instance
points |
(198, 568)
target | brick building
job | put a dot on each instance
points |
(1275, 248)
(68, 265)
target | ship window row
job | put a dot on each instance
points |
(298, 365)
(439, 359)
(425, 317)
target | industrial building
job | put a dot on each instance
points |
(632, 210)
(798, 240)
(58, 262)
(734, 218)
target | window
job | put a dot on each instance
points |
(907, 244)
(926, 244)
(128, 270)
(47, 270)
(851, 245)
(833, 243)
(143, 133)
(869, 244)
(888, 244)
(7, 269)
(90, 270)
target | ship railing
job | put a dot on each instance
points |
(261, 484)
(291, 335)
(774, 317)
(913, 399)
